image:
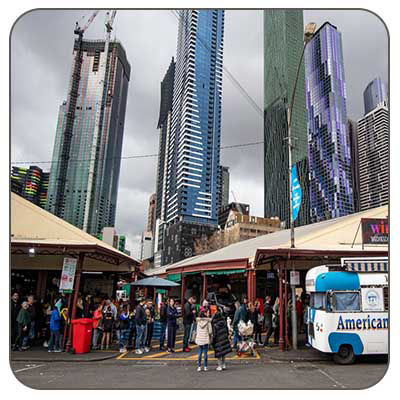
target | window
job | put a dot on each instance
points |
(344, 301)
(318, 301)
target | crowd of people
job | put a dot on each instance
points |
(130, 325)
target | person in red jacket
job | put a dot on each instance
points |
(97, 317)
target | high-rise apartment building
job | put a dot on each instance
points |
(187, 192)
(84, 174)
(194, 140)
(374, 94)
(30, 183)
(283, 45)
(373, 157)
(151, 213)
(222, 188)
(353, 138)
(331, 191)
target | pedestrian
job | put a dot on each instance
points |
(299, 314)
(150, 325)
(235, 323)
(97, 324)
(244, 310)
(24, 321)
(188, 318)
(193, 327)
(220, 339)
(172, 315)
(15, 307)
(259, 323)
(275, 321)
(163, 323)
(108, 323)
(132, 328)
(204, 331)
(305, 318)
(32, 331)
(140, 321)
(80, 313)
(55, 325)
(268, 311)
(124, 328)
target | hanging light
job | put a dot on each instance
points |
(32, 252)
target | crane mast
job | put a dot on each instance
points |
(66, 139)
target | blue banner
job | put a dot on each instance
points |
(296, 193)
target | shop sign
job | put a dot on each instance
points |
(296, 194)
(294, 278)
(68, 275)
(375, 231)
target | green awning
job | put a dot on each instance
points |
(192, 273)
(174, 277)
(226, 272)
(162, 291)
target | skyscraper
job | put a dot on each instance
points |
(331, 192)
(353, 137)
(373, 157)
(194, 142)
(283, 45)
(222, 188)
(151, 213)
(189, 153)
(375, 93)
(84, 175)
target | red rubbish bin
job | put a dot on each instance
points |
(82, 335)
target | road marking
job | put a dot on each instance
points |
(330, 377)
(25, 369)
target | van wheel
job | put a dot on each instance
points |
(345, 355)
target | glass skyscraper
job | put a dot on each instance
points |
(194, 139)
(89, 196)
(283, 45)
(331, 193)
(375, 93)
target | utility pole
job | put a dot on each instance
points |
(308, 34)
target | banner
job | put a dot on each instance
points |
(296, 193)
(374, 231)
(68, 275)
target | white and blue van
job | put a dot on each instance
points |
(348, 311)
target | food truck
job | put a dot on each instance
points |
(348, 311)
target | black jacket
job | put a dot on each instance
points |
(163, 313)
(140, 316)
(188, 315)
(220, 341)
(268, 311)
(15, 307)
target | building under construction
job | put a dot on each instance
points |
(87, 150)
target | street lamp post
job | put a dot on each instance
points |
(308, 34)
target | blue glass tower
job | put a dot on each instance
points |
(375, 93)
(194, 138)
(331, 193)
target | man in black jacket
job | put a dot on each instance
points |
(268, 311)
(188, 318)
(140, 320)
(15, 307)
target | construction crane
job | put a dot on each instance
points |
(238, 204)
(70, 118)
(104, 72)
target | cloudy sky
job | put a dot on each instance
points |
(41, 58)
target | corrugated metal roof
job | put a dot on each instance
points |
(334, 234)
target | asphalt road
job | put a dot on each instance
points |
(120, 374)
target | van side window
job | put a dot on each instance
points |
(318, 300)
(345, 301)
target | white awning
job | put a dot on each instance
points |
(370, 265)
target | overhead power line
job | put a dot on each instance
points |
(130, 157)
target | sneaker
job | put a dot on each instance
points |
(169, 350)
(146, 349)
(122, 350)
(57, 351)
(186, 350)
(25, 347)
(45, 344)
(205, 369)
(198, 369)
(223, 366)
(49, 351)
(219, 368)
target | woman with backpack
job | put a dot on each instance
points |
(220, 341)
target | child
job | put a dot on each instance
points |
(203, 333)
(123, 328)
(55, 321)
(97, 317)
